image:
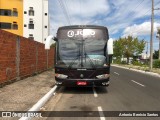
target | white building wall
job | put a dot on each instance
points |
(39, 19)
(45, 20)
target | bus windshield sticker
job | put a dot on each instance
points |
(80, 34)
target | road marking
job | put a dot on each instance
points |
(101, 113)
(116, 73)
(95, 93)
(138, 83)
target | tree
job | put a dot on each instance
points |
(118, 47)
(155, 54)
(128, 47)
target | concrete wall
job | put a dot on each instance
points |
(21, 57)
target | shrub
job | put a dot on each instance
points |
(117, 61)
(136, 63)
(156, 64)
(123, 62)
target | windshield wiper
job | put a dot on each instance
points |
(93, 65)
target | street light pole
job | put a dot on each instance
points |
(151, 39)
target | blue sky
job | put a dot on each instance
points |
(122, 17)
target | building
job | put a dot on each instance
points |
(36, 19)
(145, 56)
(27, 18)
(11, 16)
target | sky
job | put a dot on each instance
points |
(121, 17)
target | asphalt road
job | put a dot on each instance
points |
(128, 91)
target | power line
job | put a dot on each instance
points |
(80, 8)
(136, 6)
(149, 10)
(157, 4)
(67, 10)
(138, 30)
(64, 11)
(133, 9)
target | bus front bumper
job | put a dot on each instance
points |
(82, 82)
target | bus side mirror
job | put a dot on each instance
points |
(110, 46)
(49, 41)
(55, 39)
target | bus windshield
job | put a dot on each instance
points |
(81, 48)
(86, 53)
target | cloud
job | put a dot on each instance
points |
(140, 29)
(87, 8)
(79, 12)
(117, 15)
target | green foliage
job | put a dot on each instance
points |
(156, 64)
(123, 62)
(155, 54)
(128, 47)
(137, 63)
(117, 61)
(118, 48)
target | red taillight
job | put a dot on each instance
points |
(81, 83)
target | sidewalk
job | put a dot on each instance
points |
(22, 95)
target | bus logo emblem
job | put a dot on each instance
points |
(70, 33)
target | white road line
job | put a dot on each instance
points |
(101, 113)
(138, 83)
(95, 93)
(116, 73)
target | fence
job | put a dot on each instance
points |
(21, 57)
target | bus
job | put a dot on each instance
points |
(83, 55)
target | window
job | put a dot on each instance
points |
(15, 12)
(5, 12)
(45, 26)
(45, 14)
(31, 36)
(31, 25)
(25, 12)
(31, 22)
(25, 25)
(31, 11)
(4, 25)
(15, 26)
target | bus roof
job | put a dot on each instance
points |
(82, 27)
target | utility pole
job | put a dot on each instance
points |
(151, 38)
(158, 36)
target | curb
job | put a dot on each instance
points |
(40, 103)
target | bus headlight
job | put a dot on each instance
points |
(103, 76)
(61, 76)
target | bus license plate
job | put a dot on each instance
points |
(81, 83)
